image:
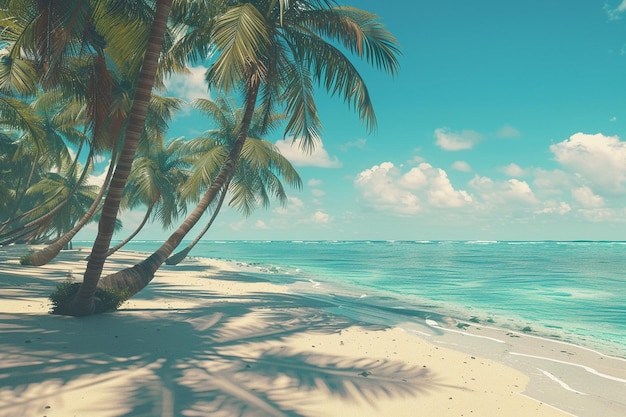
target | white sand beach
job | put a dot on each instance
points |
(208, 338)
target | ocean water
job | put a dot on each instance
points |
(574, 291)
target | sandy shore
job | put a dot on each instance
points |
(209, 339)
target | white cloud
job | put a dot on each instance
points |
(317, 192)
(414, 179)
(188, 86)
(315, 183)
(260, 224)
(379, 190)
(453, 141)
(553, 207)
(598, 159)
(586, 197)
(613, 119)
(384, 188)
(616, 12)
(294, 206)
(510, 193)
(598, 215)
(416, 160)
(461, 166)
(508, 131)
(98, 179)
(520, 191)
(318, 158)
(442, 193)
(513, 170)
(319, 217)
(553, 182)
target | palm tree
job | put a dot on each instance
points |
(71, 188)
(154, 182)
(84, 301)
(50, 148)
(277, 50)
(160, 111)
(258, 171)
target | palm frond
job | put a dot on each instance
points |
(241, 37)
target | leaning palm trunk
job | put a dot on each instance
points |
(178, 257)
(130, 281)
(42, 220)
(51, 213)
(133, 234)
(45, 255)
(84, 301)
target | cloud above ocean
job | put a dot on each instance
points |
(320, 157)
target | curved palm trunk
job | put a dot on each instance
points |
(5, 224)
(133, 234)
(84, 302)
(177, 258)
(132, 280)
(45, 255)
(41, 220)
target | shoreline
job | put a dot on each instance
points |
(282, 342)
(465, 316)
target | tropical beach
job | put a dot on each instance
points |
(303, 208)
(216, 338)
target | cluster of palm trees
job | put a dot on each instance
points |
(80, 79)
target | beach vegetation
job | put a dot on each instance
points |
(102, 60)
(259, 169)
(275, 54)
(105, 300)
(155, 180)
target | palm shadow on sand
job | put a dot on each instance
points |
(225, 356)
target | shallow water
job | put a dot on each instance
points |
(570, 290)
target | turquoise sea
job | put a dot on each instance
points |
(574, 291)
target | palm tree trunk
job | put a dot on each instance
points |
(5, 224)
(84, 303)
(45, 255)
(132, 280)
(133, 234)
(177, 258)
(41, 220)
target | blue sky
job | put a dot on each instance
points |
(507, 122)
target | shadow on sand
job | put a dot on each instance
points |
(227, 356)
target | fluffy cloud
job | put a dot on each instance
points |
(319, 217)
(513, 170)
(385, 188)
(188, 86)
(260, 224)
(598, 159)
(586, 197)
(455, 141)
(461, 166)
(511, 193)
(441, 192)
(379, 188)
(553, 207)
(318, 158)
